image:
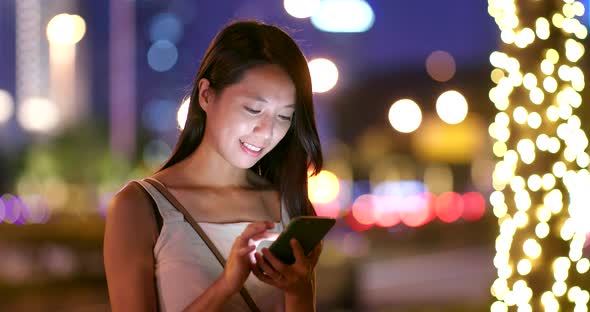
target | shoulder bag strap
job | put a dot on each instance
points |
(162, 189)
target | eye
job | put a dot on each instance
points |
(285, 118)
(251, 110)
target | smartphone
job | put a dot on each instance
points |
(308, 230)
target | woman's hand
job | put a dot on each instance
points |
(294, 279)
(237, 267)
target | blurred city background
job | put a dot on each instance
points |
(414, 120)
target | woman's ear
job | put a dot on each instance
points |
(205, 94)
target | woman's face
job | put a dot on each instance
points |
(249, 118)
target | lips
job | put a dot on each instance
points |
(251, 149)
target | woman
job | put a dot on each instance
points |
(239, 169)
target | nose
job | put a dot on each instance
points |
(264, 127)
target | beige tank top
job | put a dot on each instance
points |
(185, 267)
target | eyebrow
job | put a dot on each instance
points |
(261, 99)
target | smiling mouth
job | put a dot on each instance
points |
(250, 147)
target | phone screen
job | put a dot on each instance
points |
(308, 231)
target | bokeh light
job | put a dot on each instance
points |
(66, 29)
(473, 206)
(440, 65)
(354, 224)
(162, 55)
(387, 211)
(301, 8)
(418, 210)
(165, 26)
(451, 107)
(405, 116)
(363, 209)
(323, 187)
(324, 74)
(38, 115)
(449, 206)
(347, 16)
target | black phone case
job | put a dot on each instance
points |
(308, 230)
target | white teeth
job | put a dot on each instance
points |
(252, 147)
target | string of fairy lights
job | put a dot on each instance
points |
(542, 159)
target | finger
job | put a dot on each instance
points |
(262, 235)
(246, 250)
(277, 264)
(316, 252)
(253, 229)
(298, 251)
(258, 273)
(265, 267)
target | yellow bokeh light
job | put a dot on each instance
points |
(500, 210)
(552, 113)
(534, 120)
(537, 96)
(583, 266)
(324, 74)
(517, 183)
(550, 84)
(526, 149)
(542, 28)
(542, 230)
(405, 116)
(451, 107)
(547, 67)
(499, 306)
(323, 188)
(541, 97)
(66, 29)
(529, 81)
(38, 115)
(496, 75)
(531, 248)
(521, 219)
(559, 288)
(552, 56)
(520, 115)
(573, 50)
(534, 182)
(499, 149)
(543, 214)
(557, 20)
(548, 181)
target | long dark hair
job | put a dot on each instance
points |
(236, 48)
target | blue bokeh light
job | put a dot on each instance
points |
(165, 26)
(162, 55)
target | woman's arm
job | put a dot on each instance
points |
(304, 300)
(130, 235)
(236, 271)
(296, 280)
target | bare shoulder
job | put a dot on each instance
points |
(130, 212)
(129, 237)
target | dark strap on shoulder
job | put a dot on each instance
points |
(162, 189)
(157, 215)
(159, 224)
